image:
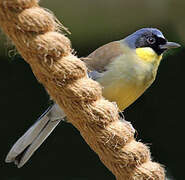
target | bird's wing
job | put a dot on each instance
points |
(103, 56)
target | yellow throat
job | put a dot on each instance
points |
(148, 54)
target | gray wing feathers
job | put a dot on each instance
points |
(95, 75)
(27, 144)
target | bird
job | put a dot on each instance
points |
(124, 68)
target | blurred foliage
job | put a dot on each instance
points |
(157, 115)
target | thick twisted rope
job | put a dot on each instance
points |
(35, 33)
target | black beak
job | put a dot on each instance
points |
(169, 45)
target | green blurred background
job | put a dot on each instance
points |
(158, 115)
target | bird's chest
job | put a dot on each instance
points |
(125, 81)
(128, 71)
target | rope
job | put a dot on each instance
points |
(37, 36)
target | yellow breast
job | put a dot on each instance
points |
(123, 95)
(128, 76)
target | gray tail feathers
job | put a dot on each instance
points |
(27, 144)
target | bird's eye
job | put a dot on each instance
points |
(151, 40)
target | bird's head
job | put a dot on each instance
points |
(149, 39)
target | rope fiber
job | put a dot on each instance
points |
(36, 34)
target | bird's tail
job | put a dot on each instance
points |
(27, 144)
